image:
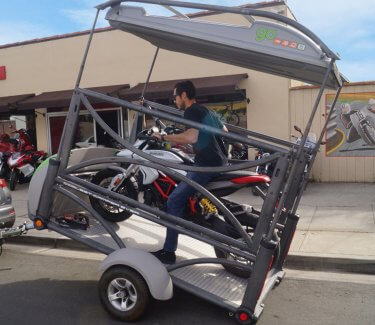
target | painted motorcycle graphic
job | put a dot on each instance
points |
(359, 120)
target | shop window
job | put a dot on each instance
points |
(88, 133)
(85, 134)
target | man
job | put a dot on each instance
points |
(208, 150)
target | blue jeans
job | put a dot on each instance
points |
(177, 202)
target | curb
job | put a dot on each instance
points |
(330, 264)
(293, 261)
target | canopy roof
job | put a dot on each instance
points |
(266, 46)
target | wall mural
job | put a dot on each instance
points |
(351, 129)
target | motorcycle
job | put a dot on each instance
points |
(236, 150)
(4, 168)
(22, 166)
(20, 142)
(8, 144)
(153, 187)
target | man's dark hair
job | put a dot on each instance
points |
(187, 87)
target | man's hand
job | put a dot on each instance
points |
(157, 135)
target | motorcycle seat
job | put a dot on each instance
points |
(242, 177)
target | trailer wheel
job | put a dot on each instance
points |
(107, 211)
(124, 293)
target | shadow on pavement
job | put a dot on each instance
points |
(46, 301)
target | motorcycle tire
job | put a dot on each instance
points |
(240, 272)
(13, 180)
(107, 211)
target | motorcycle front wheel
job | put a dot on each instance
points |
(13, 178)
(106, 210)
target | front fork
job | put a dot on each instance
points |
(119, 179)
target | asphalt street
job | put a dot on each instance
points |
(54, 286)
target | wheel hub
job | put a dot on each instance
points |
(122, 294)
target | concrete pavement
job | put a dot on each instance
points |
(336, 229)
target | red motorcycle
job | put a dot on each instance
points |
(22, 166)
(8, 145)
(20, 142)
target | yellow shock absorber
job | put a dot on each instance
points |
(208, 207)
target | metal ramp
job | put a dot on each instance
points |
(212, 279)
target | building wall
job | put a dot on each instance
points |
(116, 57)
(330, 169)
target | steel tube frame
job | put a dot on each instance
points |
(299, 153)
(162, 115)
(87, 241)
(93, 212)
(261, 248)
(198, 187)
(133, 134)
(77, 167)
(207, 260)
(193, 230)
(232, 128)
(316, 150)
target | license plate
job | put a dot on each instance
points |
(27, 170)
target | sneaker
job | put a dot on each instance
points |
(165, 257)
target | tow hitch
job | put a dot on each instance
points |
(14, 232)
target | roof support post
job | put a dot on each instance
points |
(138, 120)
(87, 50)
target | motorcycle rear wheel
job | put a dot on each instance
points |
(240, 272)
(107, 211)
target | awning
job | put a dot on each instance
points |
(11, 102)
(205, 86)
(62, 98)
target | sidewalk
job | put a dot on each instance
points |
(336, 230)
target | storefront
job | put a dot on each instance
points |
(40, 75)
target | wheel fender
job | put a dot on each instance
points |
(147, 265)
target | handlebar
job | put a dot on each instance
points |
(146, 137)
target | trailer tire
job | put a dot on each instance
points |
(124, 293)
(107, 211)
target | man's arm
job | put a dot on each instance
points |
(190, 136)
